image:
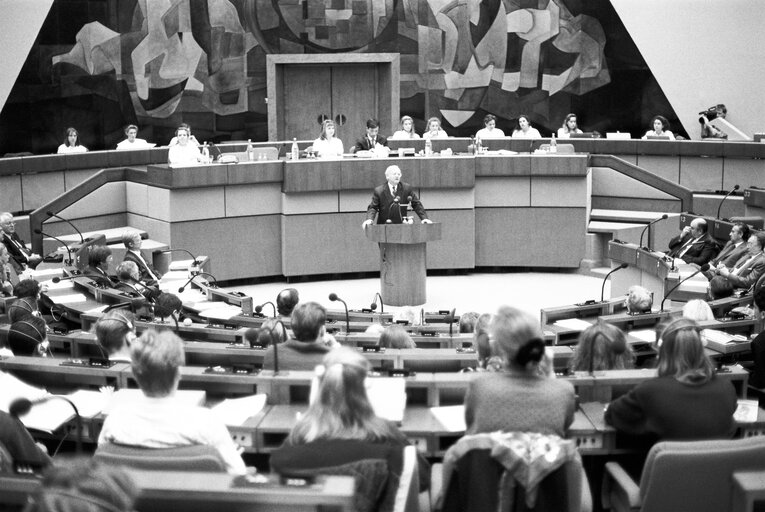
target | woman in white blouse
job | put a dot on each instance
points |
(406, 129)
(490, 130)
(569, 127)
(72, 143)
(660, 128)
(434, 130)
(524, 129)
(327, 145)
(183, 153)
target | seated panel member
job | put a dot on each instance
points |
(749, 267)
(99, 258)
(372, 137)
(660, 127)
(328, 145)
(489, 130)
(132, 241)
(524, 130)
(192, 139)
(132, 141)
(569, 127)
(694, 244)
(384, 197)
(185, 152)
(308, 347)
(130, 281)
(157, 419)
(434, 130)
(71, 143)
(406, 130)
(21, 257)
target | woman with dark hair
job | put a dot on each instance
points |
(340, 429)
(569, 127)
(686, 401)
(525, 397)
(72, 143)
(99, 258)
(524, 130)
(602, 347)
(660, 128)
(489, 130)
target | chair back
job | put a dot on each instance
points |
(183, 458)
(696, 475)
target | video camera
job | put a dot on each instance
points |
(710, 113)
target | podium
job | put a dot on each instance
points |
(402, 260)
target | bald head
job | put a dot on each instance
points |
(698, 227)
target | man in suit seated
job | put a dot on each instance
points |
(99, 258)
(286, 302)
(732, 251)
(132, 240)
(308, 346)
(372, 137)
(694, 244)
(749, 267)
(114, 332)
(21, 257)
(130, 282)
(385, 196)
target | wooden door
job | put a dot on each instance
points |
(354, 100)
(307, 96)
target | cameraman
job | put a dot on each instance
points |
(707, 130)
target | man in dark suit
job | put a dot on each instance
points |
(132, 241)
(732, 251)
(372, 138)
(749, 267)
(387, 199)
(99, 259)
(130, 282)
(694, 244)
(21, 257)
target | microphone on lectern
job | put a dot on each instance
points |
(646, 229)
(333, 297)
(735, 187)
(603, 286)
(396, 202)
(259, 308)
(373, 306)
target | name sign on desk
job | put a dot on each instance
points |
(237, 369)
(93, 362)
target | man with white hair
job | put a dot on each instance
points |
(388, 199)
(21, 257)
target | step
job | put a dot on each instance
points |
(624, 215)
(601, 226)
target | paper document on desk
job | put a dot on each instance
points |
(644, 335)
(388, 397)
(235, 411)
(222, 312)
(61, 285)
(451, 418)
(575, 324)
(747, 411)
(48, 416)
(70, 299)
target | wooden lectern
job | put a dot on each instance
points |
(402, 260)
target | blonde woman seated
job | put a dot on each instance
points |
(327, 145)
(406, 130)
(489, 130)
(340, 434)
(639, 300)
(524, 130)
(569, 127)
(434, 130)
(183, 153)
(395, 336)
(602, 347)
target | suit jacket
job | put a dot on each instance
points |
(100, 277)
(143, 268)
(18, 258)
(700, 251)
(382, 200)
(363, 143)
(749, 273)
(730, 254)
(149, 293)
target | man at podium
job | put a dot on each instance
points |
(390, 198)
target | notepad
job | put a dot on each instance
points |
(70, 299)
(746, 411)
(235, 411)
(575, 324)
(48, 416)
(388, 397)
(451, 418)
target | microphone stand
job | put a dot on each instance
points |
(373, 306)
(22, 406)
(68, 251)
(451, 321)
(396, 202)
(211, 285)
(703, 268)
(194, 263)
(603, 286)
(51, 214)
(719, 206)
(333, 297)
(259, 308)
(646, 228)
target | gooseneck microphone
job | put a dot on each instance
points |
(703, 268)
(22, 406)
(719, 206)
(51, 214)
(58, 279)
(152, 293)
(259, 309)
(396, 202)
(68, 251)
(373, 306)
(603, 286)
(194, 263)
(665, 216)
(118, 305)
(451, 320)
(211, 285)
(333, 297)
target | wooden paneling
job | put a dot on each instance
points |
(559, 165)
(245, 200)
(311, 175)
(437, 172)
(307, 95)
(366, 174)
(355, 97)
(507, 191)
(158, 229)
(446, 198)
(255, 172)
(196, 204)
(739, 171)
(519, 165)
(188, 177)
(666, 167)
(105, 200)
(137, 198)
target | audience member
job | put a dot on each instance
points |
(733, 249)
(720, 288)
(749, 267)
(602, 347)
(168, 305)
(130, 281)
(524, 130)
(8, 276)
(132, 142)
(406, 130)
(488, 360)
(757, 378)
(286, 302)
(375, 330)
(192, 140)
(264, 336)
(21, 257)
(99, 259)
(132, 241)
(20, 445)
(708, 130)
(395, 336)
(525, 397)
(694, 244)
(698, 310)
(84, 485)
(340, 434)
(489, 130)
(639, 300)
(328, 145)
(569, 127)
(686, 401)
(467, 322)
(372, 139)
(659, 128)
(29, 337)
(158, 419)
(115, 331)
(308, 347)
(434, 130)
(71, 143)
(184, 152)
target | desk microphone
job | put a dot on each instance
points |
(211, 285)
(646, 229)
(22, 406)
(396, 201)
(451, 320)
(333, 297)
(194, 263)
(58, 279)
(51, 214)
(603, 286)
(68, 251)
(373, 306)
(703, 268)
(152, 293)
(259, 309)
(735, 187)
